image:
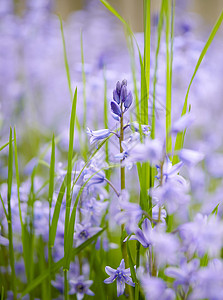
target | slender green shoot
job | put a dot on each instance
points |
(9, 219)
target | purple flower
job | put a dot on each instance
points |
(84, 232)
(185, 275)
(80, 287)
(116, 109)
(93, 211)
(204, 235)
(190, 157)
(169, 171)
(143, 235)
(129, 214)
(209, 282)
(121, 96)
(155, 288)
(161, 240)
(122, 276)
(97, 135)
(182, 123)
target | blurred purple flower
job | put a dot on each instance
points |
(122, 276)
(155, 288)
(80, 287)
(84, 232)
(190, 157)
(185, 275)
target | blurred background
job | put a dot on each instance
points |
(132, 10)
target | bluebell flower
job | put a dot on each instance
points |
(121, 97)
(155, 288)
(161, 240)
(122, 276)
(80, 287)
(182, 123)
(203, 235)
(93, 210)
(185, 275)
(209, 282)
(97, 135)
(84, 232)
(169, 171)
(143, 235)
(190, 157)
(172, 194)
(129, 214)
(116, 109)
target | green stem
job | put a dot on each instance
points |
(65, 285)
(9, 219)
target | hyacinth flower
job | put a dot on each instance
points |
(155, 288)
(84, 232)
(97, 135)
(121, 275)
(80, 287)
(185, 275)
(122, 99)
(143, 235)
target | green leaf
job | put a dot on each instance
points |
(10, 233)
(180, 136)
(51, 174)
(57, 212)
(5, 145)
(131, 263)
(69, 163)
(215, 210)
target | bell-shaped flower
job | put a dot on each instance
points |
(84, 232)
(185, 274)
(182, 123)
(121, 275)
(97, 135)
(143, 235)
(190, 157)
(116, 109)
(128, 100)
(80, 287)
(155, 288)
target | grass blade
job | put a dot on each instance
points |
(9, 219)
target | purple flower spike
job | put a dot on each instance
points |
(116, 109)
(122, 275)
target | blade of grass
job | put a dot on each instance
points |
(50, 197)
(3, 205)
(69, 163)
(5, 145)
(168, 76)
(9, 219)
(68, 195)
(180, 136)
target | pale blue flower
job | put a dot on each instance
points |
(122, 276)
(80, 287)
(97, 135)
